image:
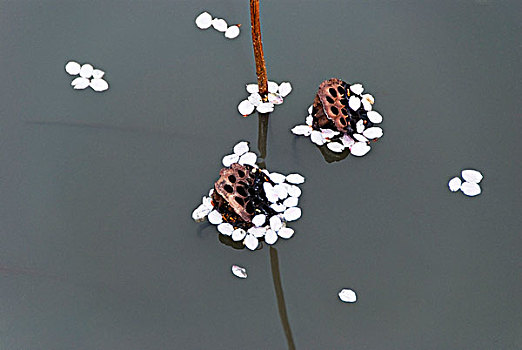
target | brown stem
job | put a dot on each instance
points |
(262, 80)
(262, 134)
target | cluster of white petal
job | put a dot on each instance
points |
(359, 144)
(89, 76)
(282, 192)
(204, 21)
(470, 187)
(276, 94)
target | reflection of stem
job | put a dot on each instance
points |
(262, 80)
(262, 135)
(276, 276)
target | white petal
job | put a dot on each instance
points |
(295, 178)
(354, 102)
(454, 184)
(328, 133)
(360, 126)
(245, 107)
(272, 87)
(229, 160)
(292, 214)
(310, 109)
(470, 189)
(277, 178)
(373, 133)
(99, 85)
(207, 203)
(359, 149)
(241, 148)
(239, 271)
(281, 191)
(265, 107)
(86, 71)
(200, 213)
(238, 234)
(366, 104)
(252, 88)
(279, 207)
(259, 220)
(347, 140)
(348, 296)
(302, 130)
(232, 32)
(97, 73)
(275, 223)
(317, 138)
(291, 202)
(72, 68)
(255, 99)
(219, 24)
(335, 147)
(360, 138)
(215, 217)
(251, 242)
(225, 229)
(274, 98)
(284, 89)
(270, 237)
(270, 193)
(258, 232)
(374, 117)
(309, 120)
(357, 89)
(294, 191)
(80, 83)
(368, 98)
(211, 192)
(204, 20)
(471, 175)
(248, 158)
(285, 232)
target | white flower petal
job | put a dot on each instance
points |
(317, 138)
(207, 203)
(239, 271)
(259, 220)
(285, 232)
(294, 191)
(295, 178)
(225, 229)
(275, 223)
(470, 189)
(368, 98)
(86, 71)
(211, 192)
(360, 138)
(335, 147)
(454, 184)
(241, 148)
(271, 195)
(348, 296)
(284, 89)
(277, 178)
(302, 130)
(270, 237)
(219, 24)
(357, 89)
(328, 133)
(292, 214)
(309, 120)
(272, 87)
(291, 202)
(252, 88)
(200, 213)
(232, 32)
(274, 98)
(279, 207)
(258, 232)
(374, 117)
(238, 234)
(99, 85)
(215, 217)
(354, 102)
(229, 160)
(360, 126)
(310, 109)
(281, 191)
(366, 104)
(373, 133)
(248, 158)
(251, 242)
(347, 141)
(265, 107)
(359, 149)
(471, 175)
(80, 83)
(255, 99)
(98, 73)
(204, 20)
(245, 107)
(72, 68)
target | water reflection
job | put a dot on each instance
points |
(330, 156)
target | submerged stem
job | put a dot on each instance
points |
(262, 80)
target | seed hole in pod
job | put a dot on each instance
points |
(329, 99)
(241, 190)
(344, 102)
(333, 92)
(243, 183)
(344, 112)
(343, 121)
(251, 191)
(239, 201)
(241, 173)
(334, 110)
(341, 90)
(232, 178)
(228, 188)
(249, 208)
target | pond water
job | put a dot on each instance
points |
(97, 246)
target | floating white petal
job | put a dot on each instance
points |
(72, 68)
(215, 217)
(80, 83)
(275, 99)
(359, 149)
(219, 24)
(295, 178)
(241, 148)
(470, 189)
(239, 271)
(86, 71)
(368, 98)
(277, 178)
(354, 102)
(99, 85)
(366, 104)
(257, 231)
(294, 191)
(238, 234)
(255, 99)
(275, 223)
(252, 88)
(328, 133)
(373, 133)
(317, 138)
(348, 296)
(310, 109)
(204, 20)
(272, 87)
(357, 89)
(251, 242)
(230, 159)
(284, 89)
(232, 32)
(291, 201)
(98, 73)
(207, 202)
(278, 207)
(270, 237)
(471, 175)
(265, 107)
(347, 140)
(285, 232)
(454, 184)
(309, 120)
(360, 138)
(302, 130)
(281, 191)
(249, 158)
(225, 229)
(335, 147)
(360, 126)
(245, 107)
(374, 117)
(200, 213)
(259, 220)
(271, 195)
(292, 214)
